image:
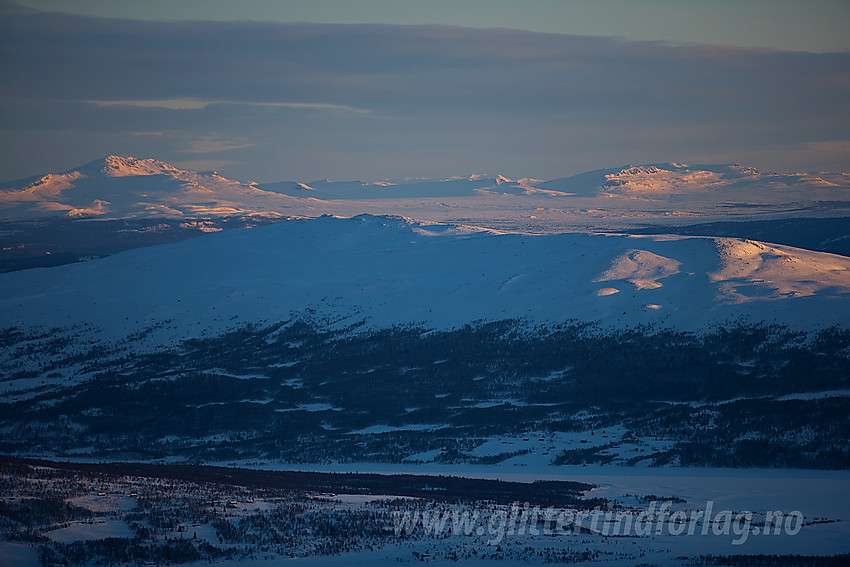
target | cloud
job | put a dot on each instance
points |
(188, 103)
(841, 147)
(212, 144)
(170, 104)
(308, 101)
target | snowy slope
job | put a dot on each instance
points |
(389, 270)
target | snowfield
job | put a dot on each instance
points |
(390, 270)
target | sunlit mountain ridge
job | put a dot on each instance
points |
(125, 187)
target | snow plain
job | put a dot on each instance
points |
(820, 496)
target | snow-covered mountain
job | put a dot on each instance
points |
(730, 182)
(389, 270)
(122, 187)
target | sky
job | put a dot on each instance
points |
(267, 91)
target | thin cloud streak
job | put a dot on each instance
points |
(211, 145)
(187, 103)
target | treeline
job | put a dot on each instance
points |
(123, 551)
(296, 392)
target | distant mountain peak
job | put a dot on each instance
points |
(126, 166)
(675, 177)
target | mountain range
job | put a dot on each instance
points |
(126, 187)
